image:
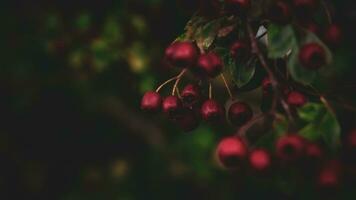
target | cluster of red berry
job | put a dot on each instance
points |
(187, 107)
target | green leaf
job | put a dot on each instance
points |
(207, 33)
(297, 71)
(242, 73)
(281, 39)
(321, 123)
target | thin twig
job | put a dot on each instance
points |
(241, 132)
(327, 11)
(165, 83)
(271, 76)
(179, 77)
(226, 85)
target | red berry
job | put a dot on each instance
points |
(280, 12)
(333, 35)
(188, 121)
(240, 113)
(313, 152)
(351, 140)
(209, 65)
(305, 8)
(330, 175)
(212, 111)
(260, 160)
(296, 99)
(182, 54)
(172, 106)
(239, 50)
(231, 152)
(239, 5)
(290, 147)
(312, 56)
(266, 86)
(191, 96)
(151, 102)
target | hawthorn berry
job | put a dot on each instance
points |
(312, 56)
(280, 12)
(296, 99)
(212, 111)
(260, 160)
(232, 152)
(240, 113)
(313, 151)
(151, 102)
(329, 177)
(333, 35)
(290, 147)
(191, 96)
(172, 106)
(208, 65)
(182, 54)
(240, 50)
(188, 121)
(266, 86)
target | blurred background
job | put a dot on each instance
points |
(71, 79)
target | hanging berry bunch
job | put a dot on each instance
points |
(277, 47)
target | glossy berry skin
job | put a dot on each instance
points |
(239, 5)
(280, 12)
(208, 65)
(305, 8)
(151, 102)
(239, 50)
(172, 106)
(312, 56)
(240, 113)
(333, 35)
(182, 54)
(187, 121)
(232, 152)
(290, 147)
(191, 96)
(296, 99)
(260, 160)
(212, 111)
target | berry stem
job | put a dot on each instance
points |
(327, 12)
(210, 91)
(165, 83)
(271, 76)
(226, 85)
(178, 78)
(242, 130)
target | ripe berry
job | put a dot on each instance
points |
(329, 176)
(266, 86)
(182, 54)
(238, 5)
(151, 102)
(280, 12)
(333, 35)
(312, 56)
(313, 152)
(212, 111)
(191, 96)
(231, 152)
(239, 50)
(172, 106)
(188, 121)
(305, 8)
(290, 147)
(240, 113)
(260, 160)
(296, 99)
(209, 65)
